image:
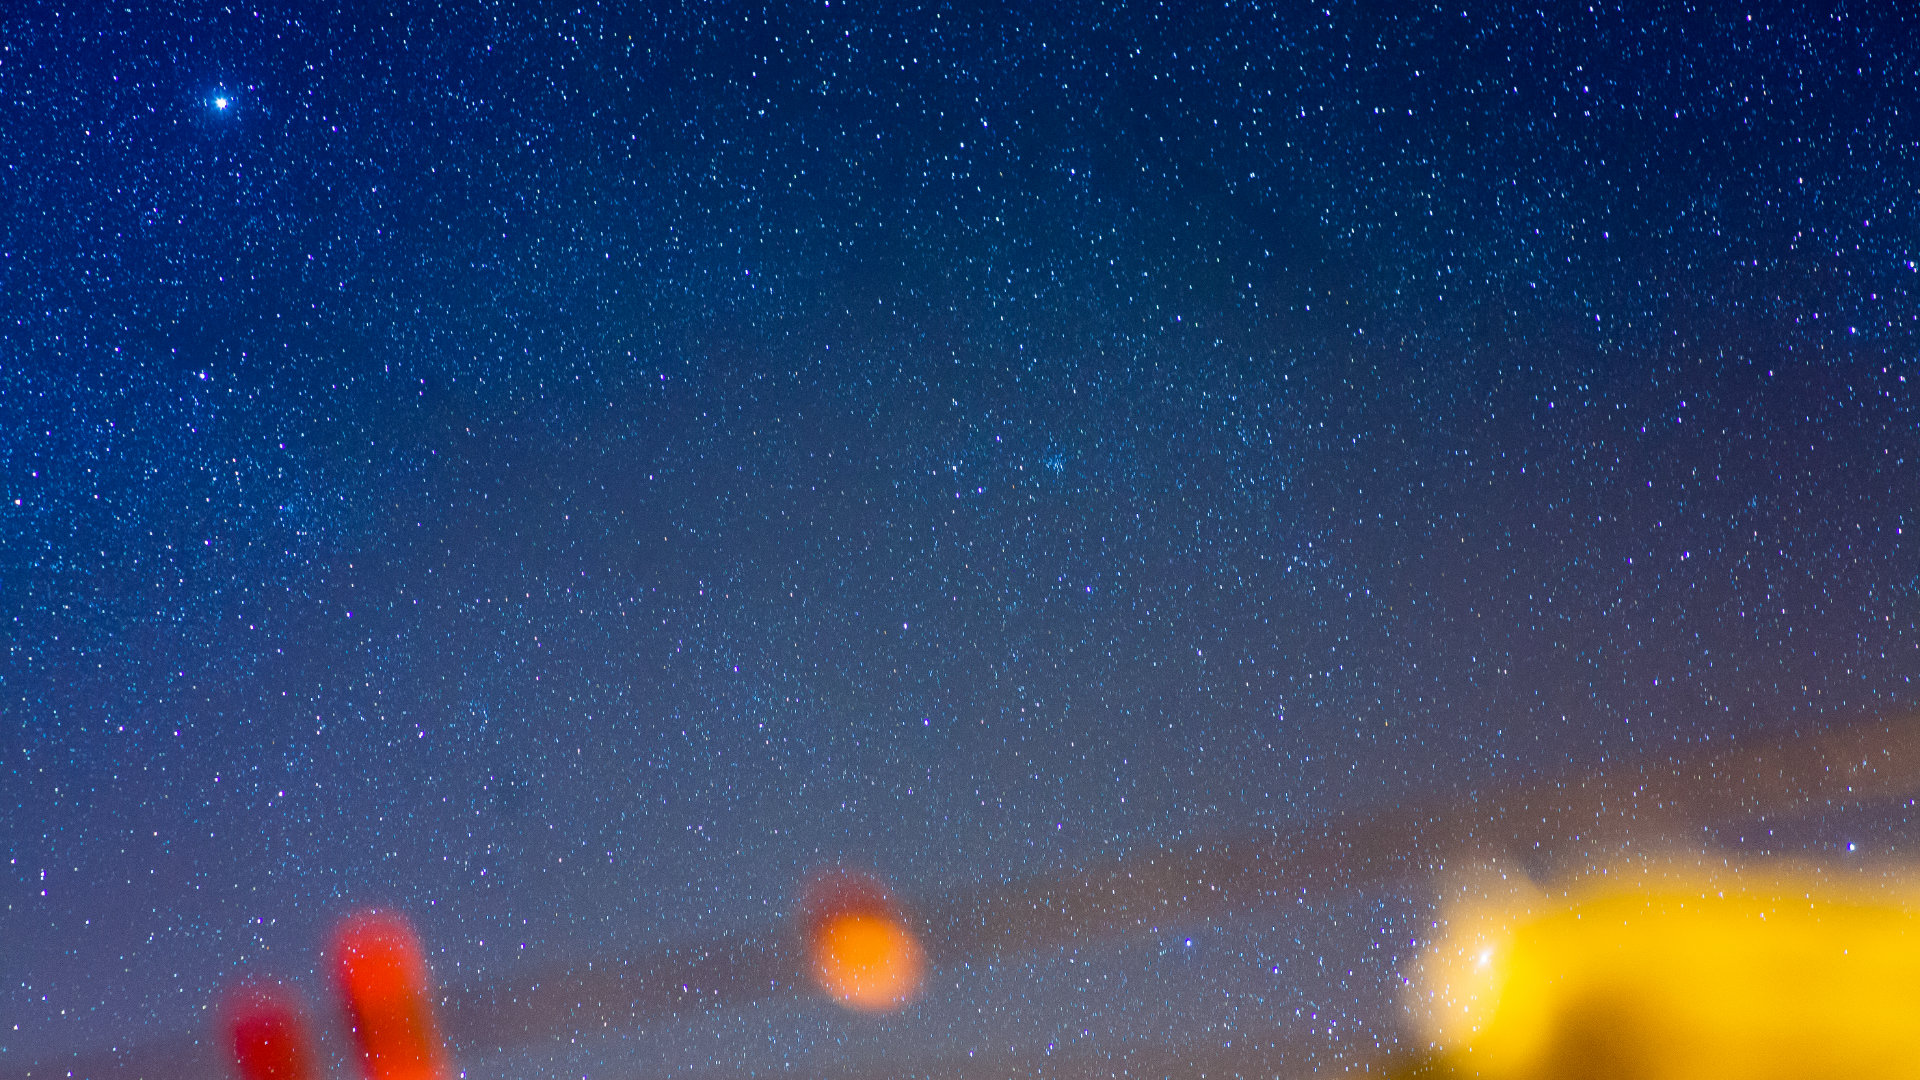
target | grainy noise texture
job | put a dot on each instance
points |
(1154, 485)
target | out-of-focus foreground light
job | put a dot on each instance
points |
(1667, 974)
(266, 1032)
(382, 977)
(861, 950)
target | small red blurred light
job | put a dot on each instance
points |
(266, 1031)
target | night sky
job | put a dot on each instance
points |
(569, 473)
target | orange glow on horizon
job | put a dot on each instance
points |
(864, 956)
(382, 977)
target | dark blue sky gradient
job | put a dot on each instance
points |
(569, 472)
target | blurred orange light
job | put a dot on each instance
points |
(864, 956)
(382, 976)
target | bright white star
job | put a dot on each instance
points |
(219, 103)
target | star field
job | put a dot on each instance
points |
(569, 472)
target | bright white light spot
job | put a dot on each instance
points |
(219, 103)
(1486, 957)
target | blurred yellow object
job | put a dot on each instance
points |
(1658, 974)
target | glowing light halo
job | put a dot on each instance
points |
(1456, 982)
(860, 950)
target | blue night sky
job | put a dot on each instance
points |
(570, 472)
